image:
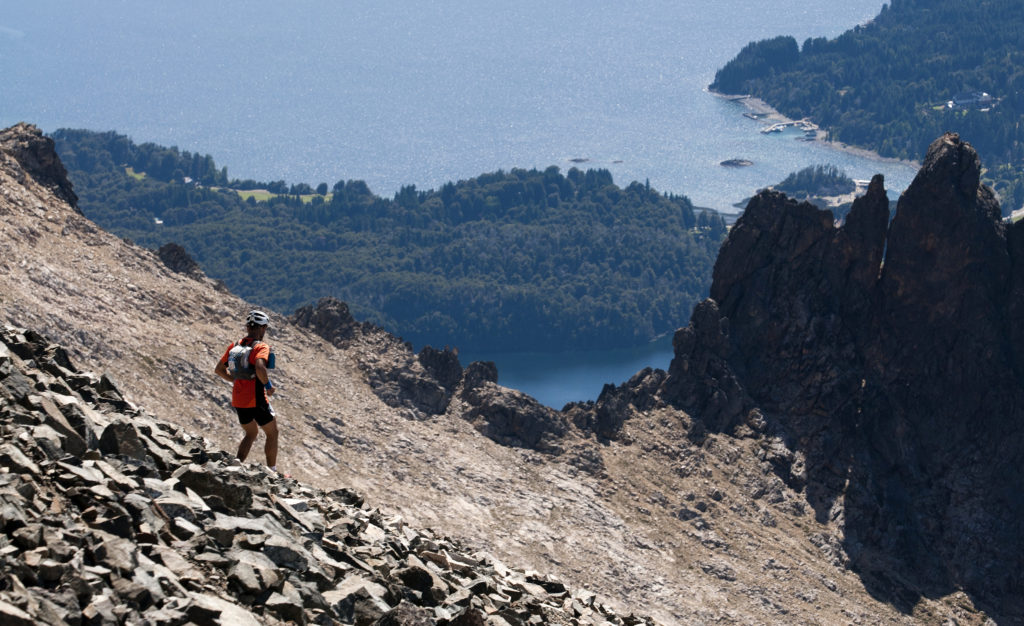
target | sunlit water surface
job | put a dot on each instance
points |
(423, 93)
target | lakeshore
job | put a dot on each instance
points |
(760, 111)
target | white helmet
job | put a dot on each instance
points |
(257, 318)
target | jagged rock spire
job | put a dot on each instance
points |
(898, 378)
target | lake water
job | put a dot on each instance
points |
(556, 379)
(426, 92)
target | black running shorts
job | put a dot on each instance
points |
(262, 414)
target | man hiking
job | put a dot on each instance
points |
(244, 364)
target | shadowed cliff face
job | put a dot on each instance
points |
(898, 378)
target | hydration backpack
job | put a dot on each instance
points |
(238, 361)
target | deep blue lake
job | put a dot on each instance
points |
(556, 379)
(423, 93)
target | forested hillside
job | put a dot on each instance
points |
(920, 68)
(517, 260)
(817, 180)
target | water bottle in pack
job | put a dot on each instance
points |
(238, 362)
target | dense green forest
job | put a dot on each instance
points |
(817, 180)
(517, 260)
(920, 68)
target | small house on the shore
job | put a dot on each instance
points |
(971, 100)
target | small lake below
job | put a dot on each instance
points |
(557, 378)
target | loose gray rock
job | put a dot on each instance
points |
(125, 526)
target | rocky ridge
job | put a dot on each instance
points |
(888, 359)
(112, 516)
(424, 384)
(630, 496)
(37, 159)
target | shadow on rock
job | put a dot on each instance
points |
(897, 378)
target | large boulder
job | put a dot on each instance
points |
(422, 384)
(177, 259)
(510, 417)
(329, 318)
(36, 155)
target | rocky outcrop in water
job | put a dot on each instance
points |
(889, 358)
(110, 516)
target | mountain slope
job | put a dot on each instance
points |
(113, 517)
(630, 496)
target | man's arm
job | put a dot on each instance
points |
(263, 375)
(222, 371)
(261, 371)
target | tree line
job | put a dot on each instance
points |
(817, 180)
(887, 85)
(509, 260)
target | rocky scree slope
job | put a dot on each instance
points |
(110, 516)
(630, 496)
